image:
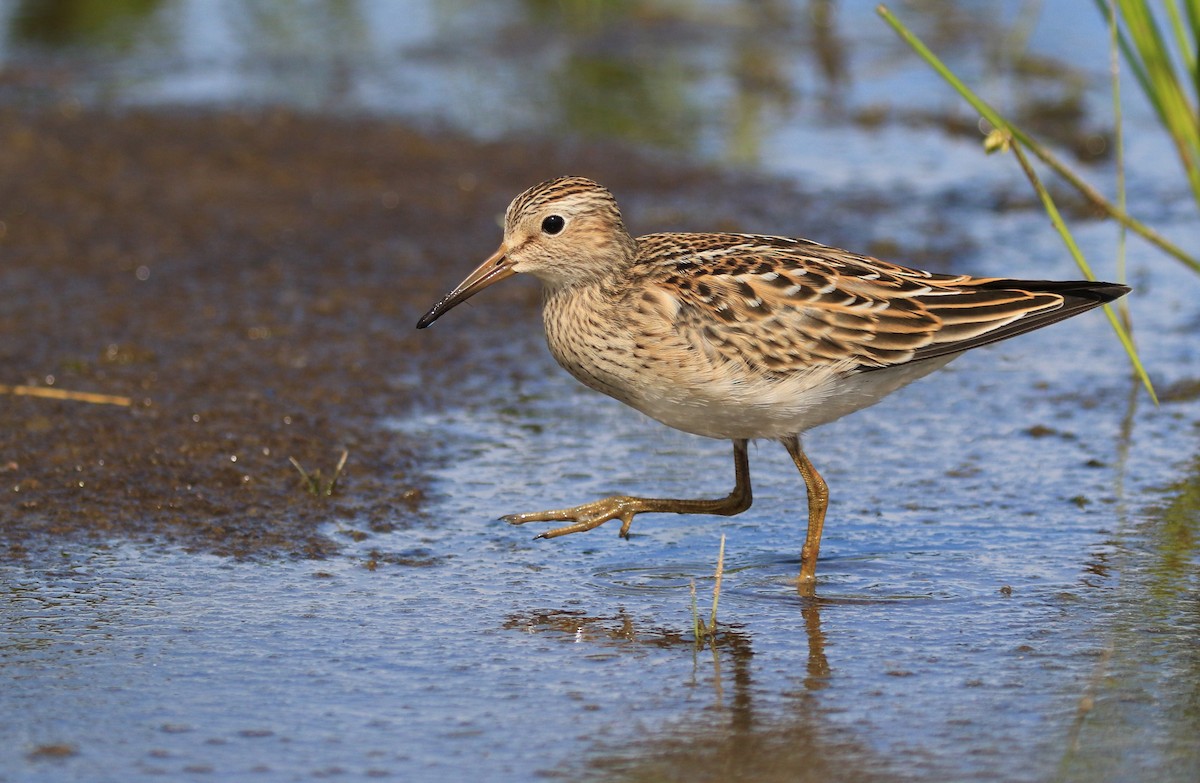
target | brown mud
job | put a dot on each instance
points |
(251, 281)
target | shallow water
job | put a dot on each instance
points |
(993, 605)
(1008, 586)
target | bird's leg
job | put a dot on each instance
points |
(818, 502)
(624, 507)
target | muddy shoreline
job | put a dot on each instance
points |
(250, 280)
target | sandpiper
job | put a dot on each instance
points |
(741, 336)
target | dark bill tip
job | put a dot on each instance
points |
(434, 313)
(448, 301)
(493, 270)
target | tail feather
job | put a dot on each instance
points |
(1036, 303)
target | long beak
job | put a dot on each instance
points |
(493, 270)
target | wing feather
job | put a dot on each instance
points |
(783, 305)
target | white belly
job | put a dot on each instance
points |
(665, 378)
(742, 409)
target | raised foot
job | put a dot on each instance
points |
(584, 517)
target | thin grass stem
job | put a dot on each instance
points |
(1176, 111)
(1185, 45)
(1073, 248)
(1119, 153)
(1135, 64)
(310, 482)
(337, 471)
(712, 624)
(1042, 153)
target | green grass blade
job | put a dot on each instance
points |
(1185, 45)
(1135, 64)
(986, 111)
(1017, 141)
(1114, 63)
(712, 623)
(1193, 20)
(1043, 154)
(1069, 240)
(1177, 113)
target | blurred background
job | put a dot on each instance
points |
(729, 82)
(247, 512)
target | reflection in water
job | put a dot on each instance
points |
(1175, 539)
(617, 632)
(311, 51)
(794, 750)
(1047, 95)
(1148, 673)
(734, 737)
(818, 666)
(656, 75)
(721, 81)
(760, 76)
(113, 23)
(829, 52)
(749, 740)
(622, 635)
(612, 98)
(620, 632)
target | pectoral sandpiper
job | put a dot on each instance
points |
(738, 336)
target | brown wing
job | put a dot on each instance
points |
(783, 305)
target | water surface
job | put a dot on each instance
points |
(1009, 576)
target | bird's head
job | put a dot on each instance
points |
(566, 231)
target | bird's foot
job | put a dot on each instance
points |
(584, 517)
(806, 586)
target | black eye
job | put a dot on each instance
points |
(553, 224)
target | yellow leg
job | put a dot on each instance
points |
(818, 502)
(624, 507)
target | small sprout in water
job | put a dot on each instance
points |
(708, 630)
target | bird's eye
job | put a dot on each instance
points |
(553, 224)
